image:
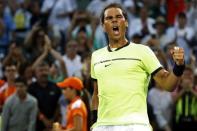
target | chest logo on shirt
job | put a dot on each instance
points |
(107, 65)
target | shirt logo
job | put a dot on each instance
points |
(107, 65)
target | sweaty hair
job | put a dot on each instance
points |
(113, 5)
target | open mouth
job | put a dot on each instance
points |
(115, 30)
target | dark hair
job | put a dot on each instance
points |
(8, 65)
(182, 15)
(43, 64)
(113, 5)
(20, 80)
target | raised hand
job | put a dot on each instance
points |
(178, 55)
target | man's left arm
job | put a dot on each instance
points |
(168, 80)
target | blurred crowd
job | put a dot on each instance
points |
(45, 41)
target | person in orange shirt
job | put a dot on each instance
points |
(7, 87)
(76, 110)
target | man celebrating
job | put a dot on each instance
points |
(122, 71)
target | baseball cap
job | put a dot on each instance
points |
(72, 82)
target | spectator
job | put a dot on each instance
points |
(54, 74)
(182, 34)
(47, 95)
(174, 7)
(59, 12)
(186, 103)
(162, 108)
(22, 19)
(34, 43)
(84, 43)
(142, 25)
(4, 38)
(7, 27)
(15, 55)
(160, 34)
(7, 87)
(72, 59)
(36, 13)
(82, 21)
(77, 117)
(20, 110)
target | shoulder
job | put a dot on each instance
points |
(101, 50)
(11, 99)
(139, 47)
(77, 104)
(53, 86)
(33, 87)
(32, 98)
(2, 82)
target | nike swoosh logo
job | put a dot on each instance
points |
(107, 65)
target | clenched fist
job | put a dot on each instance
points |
(178, 55)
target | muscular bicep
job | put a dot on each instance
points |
(160, 76)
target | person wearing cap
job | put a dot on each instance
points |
(77, 115)
(160, 32)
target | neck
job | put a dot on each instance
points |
(117, 43)
(181, 26)
(22, 97)
(71, 56)
(10, 82)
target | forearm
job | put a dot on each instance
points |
(39, 60)
(170, 82)
(95, 100)
(56, 55)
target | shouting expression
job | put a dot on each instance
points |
(115, 23)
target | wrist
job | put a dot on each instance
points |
(178, 69)
(94, 115)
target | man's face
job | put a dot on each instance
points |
(71, 48)
(182, 22)
(10, 72)
(187, 79)
(160, 28)
(114, 23)
(42, 73)
(21, 88)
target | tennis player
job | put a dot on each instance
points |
(121, 72)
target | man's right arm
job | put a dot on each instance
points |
(5, 115)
